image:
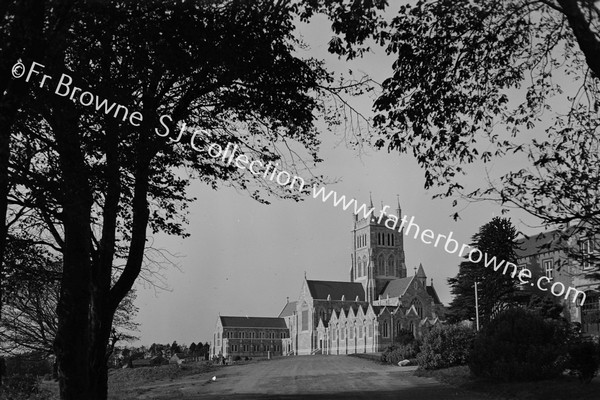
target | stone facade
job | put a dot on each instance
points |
(565, 258)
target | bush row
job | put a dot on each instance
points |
(517, 345)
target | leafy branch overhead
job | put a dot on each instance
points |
(476, 82)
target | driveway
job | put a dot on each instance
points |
(307, 377)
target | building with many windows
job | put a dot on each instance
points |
(248, 336)
(567, 259)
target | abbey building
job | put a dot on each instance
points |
(363, 315)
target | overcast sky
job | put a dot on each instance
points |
(245, 258)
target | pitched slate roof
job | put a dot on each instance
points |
(253, 322)
(396, 287)
(431, 291)
(541, 243)
(288, 309)
(322, 289)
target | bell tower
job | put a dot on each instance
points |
(377, 251)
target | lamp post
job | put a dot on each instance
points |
(476, 308)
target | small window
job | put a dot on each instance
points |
(548, 270)
(393, 239)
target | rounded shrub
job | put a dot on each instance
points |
(395, 354)
(519, 345)
(446, 346)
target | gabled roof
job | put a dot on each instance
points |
(288, 309)
(431, 291)
(396, 287)
(421, 272)
(541, 243)
(350, 290)
(252, 322)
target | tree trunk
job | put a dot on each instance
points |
(100, 328)
(72, 338)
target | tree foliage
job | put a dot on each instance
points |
(496, 290)
(475, 82)
(88, 186)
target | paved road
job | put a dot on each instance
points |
(308, 377)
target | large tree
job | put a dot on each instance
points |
(496, 239)
(88, 186)
(486, 81)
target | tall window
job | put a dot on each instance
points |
(388, 239)
(380, 266)
(391, 265)
(359, 269)
(418, 307)
(351, 332)
(305, 319)
(365, 265)
(586, 247)
(548, 268)
(385, 329)
(370, 329)
(393, 239)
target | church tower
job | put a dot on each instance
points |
(377, 251)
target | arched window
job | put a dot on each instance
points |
(380, 266)
(365, 265)
(359, 268)
(393, 239)
(390, 266)
(418, 306)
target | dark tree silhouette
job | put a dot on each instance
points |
(88, 186)
(496, 290)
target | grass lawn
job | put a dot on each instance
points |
(125, 383)
(563, 388)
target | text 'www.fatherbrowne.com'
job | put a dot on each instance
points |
(64, 87)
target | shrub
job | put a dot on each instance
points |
(519, 345)
(19, 387)
(237, 358)
(584, 360)
(446, 346)
(405, 336)
(394, 354)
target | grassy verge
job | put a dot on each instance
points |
(564, 387)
